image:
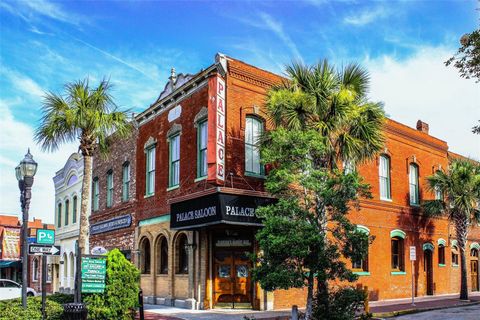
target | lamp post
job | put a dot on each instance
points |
(25, 172)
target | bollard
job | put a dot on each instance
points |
(140, 301)
(294, 312)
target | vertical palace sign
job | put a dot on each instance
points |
(220, 128)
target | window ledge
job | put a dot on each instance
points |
(254, 175)
(362, 273)
(386, 199)
(454, 265)
(441, 265)
(200, 179)
(148, 195)
(145, 275)
(398, 273)
(173, 187)
(415, 205)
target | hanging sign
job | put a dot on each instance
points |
(220, 129)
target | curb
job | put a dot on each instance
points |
(418, 310)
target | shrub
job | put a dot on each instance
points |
(12, 309)
(120, 298)
(343, 304)
(61, 298)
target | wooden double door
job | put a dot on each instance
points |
(232, 279)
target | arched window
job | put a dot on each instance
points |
(474, 253)
(397, 250)
(361, 265)
(109, 188)
(72, 268)
(253, 131)
(67, 209)
(162, 256)
(455, 256)
(384, 177)
(145, 256)
(35, 269)
(126, 181)
(59, 215)
(413, 181)
(65, 269)
(441, 254)
(74, 209)
(182, 254)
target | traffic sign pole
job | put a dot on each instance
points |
(44, 286)
(413, 257)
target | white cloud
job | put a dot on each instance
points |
(421, 87)
(22, 83)
(367, 16)
(15, 138)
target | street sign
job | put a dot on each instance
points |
(45, 236)
(93, 274)
(413, 253)
(40, 249)
(98, 250)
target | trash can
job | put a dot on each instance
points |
(74, 311)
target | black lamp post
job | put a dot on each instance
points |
(25, 172)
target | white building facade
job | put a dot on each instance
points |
(68, 195)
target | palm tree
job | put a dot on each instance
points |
(459, 188)
(335, 103)
(89, 115)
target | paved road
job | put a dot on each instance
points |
(460, 313)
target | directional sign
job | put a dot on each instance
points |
(40, 249)
(45, 236)
(93, 274)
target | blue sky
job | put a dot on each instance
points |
(44, 44)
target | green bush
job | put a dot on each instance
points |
(12, 309)
(120, 298)
(61, 298)
(342, 304)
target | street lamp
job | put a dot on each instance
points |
(25, 172)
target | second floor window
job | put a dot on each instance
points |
(67, 209)
(150, 168)
(96, 194)
(384, 174)
(202, 149)
(109, 189)
(253, 131)
(74, 209)
(125, 182)
(59, 215)
(174, 167)
(438, 191)
(413, 181)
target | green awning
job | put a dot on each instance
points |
(10, 263)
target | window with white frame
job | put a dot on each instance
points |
(174, 166)
(67, 210)
(35, 269)
(59, 215)
(384, 176)
(74, 209)
(253, 131)
(413, 181)
(126, 181)
(202, 133)
(96, 194)
(109, 188)
(150, 171)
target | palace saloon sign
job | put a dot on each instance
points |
(216, 209)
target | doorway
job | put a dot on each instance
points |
(232, 282)
(474, 269)
(428, 268)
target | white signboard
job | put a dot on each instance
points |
(220, 128)
(413, 253)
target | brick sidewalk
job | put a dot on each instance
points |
(404, 306)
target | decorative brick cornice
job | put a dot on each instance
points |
(412, 134)
(249, 77)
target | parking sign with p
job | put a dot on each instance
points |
(45, 236)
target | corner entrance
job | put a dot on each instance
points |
(232, 283)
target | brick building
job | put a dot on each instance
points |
(200, 181)
(113, 218)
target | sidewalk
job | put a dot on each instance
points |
(390, 308)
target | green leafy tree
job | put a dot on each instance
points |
(120, 298)
(467, 58)
(322, 118)
(460, 190)
(86, 114)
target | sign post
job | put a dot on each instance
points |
(413, 257)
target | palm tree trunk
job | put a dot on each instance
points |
(309, 306)
(84, 223)
(461, 229)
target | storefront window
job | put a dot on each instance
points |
(162, 253)
(145, 256)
